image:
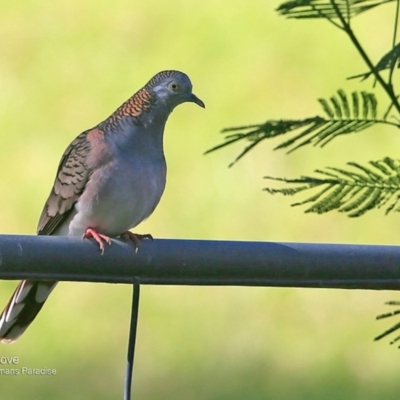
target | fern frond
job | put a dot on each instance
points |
(270, 129)
(325, 8)
(343, 117)
(352, 191)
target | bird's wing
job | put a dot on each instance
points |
(72, 175)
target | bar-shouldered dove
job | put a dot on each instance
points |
(110, 179)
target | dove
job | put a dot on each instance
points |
(110, 178)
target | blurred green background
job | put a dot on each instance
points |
(64, 67)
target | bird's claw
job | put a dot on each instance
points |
(136, 238)
(98, 237)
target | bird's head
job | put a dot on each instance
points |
(173, 88)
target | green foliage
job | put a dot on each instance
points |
(327, 9)
(352, 191)
(394, 327)
(389, 61)
(344, 115)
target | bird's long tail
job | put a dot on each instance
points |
(21, 310)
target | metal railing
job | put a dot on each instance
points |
(193, 262)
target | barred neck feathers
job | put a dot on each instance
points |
(139, 104)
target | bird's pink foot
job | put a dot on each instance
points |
(98, 237)
(136, 238)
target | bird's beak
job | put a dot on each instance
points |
(194, 99)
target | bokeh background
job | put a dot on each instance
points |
(66, 65)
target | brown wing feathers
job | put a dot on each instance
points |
(72, 176)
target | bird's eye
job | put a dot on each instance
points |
(174, 86)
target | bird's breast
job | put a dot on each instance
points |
(119, 196)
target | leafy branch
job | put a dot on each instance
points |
(327, 9)
(390, 61)
(344, 115)
(353, 191)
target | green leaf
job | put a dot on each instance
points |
(356, 109)
(327, 108)
(345, 104)
(337, 107)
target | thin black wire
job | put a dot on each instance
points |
(132, 339)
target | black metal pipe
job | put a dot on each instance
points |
(194, 262)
